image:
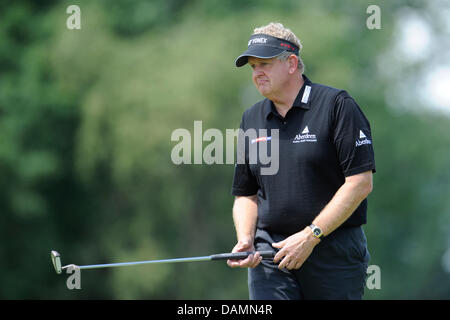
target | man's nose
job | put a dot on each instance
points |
(257, 71)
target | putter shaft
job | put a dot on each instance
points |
(123, 264)
(220, 256)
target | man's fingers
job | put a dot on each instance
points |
(255, 260)
(241, 246)
(239, 263)
(290, 263)
(280, 254)
(284, 262)
(233, 263)
(279, 244)
(247, 261)
(250, 262)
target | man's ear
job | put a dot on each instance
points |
(293, 63)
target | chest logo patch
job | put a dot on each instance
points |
(305, 136)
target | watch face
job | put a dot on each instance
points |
(316, 232)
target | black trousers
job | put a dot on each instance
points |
(336, 269)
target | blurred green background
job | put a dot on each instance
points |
(86, 118)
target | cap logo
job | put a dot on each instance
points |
(287, 45)
(265, 46)
(256, 40)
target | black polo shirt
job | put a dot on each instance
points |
(323, 138)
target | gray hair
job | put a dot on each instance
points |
(276, 29)
(286, 54)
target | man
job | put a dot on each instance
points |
(312, 209)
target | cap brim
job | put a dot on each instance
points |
(258, 52)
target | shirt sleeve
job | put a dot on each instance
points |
(244, 182)
(352, 136)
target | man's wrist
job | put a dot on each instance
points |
(316, 231)
(246, 240)
(310, 237)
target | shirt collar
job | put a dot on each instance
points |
(302, 100)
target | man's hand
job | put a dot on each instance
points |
(251, 261)
(295, 249)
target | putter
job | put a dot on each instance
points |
(56, 260)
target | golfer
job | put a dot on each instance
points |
(311, 211)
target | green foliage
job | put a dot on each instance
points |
(86, 118)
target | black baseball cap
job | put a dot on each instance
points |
(265, 46)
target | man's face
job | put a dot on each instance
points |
(269, 75)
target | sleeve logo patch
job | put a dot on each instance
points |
(362, 139)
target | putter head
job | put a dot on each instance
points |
(56, 260)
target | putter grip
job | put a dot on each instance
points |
(241, 255)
